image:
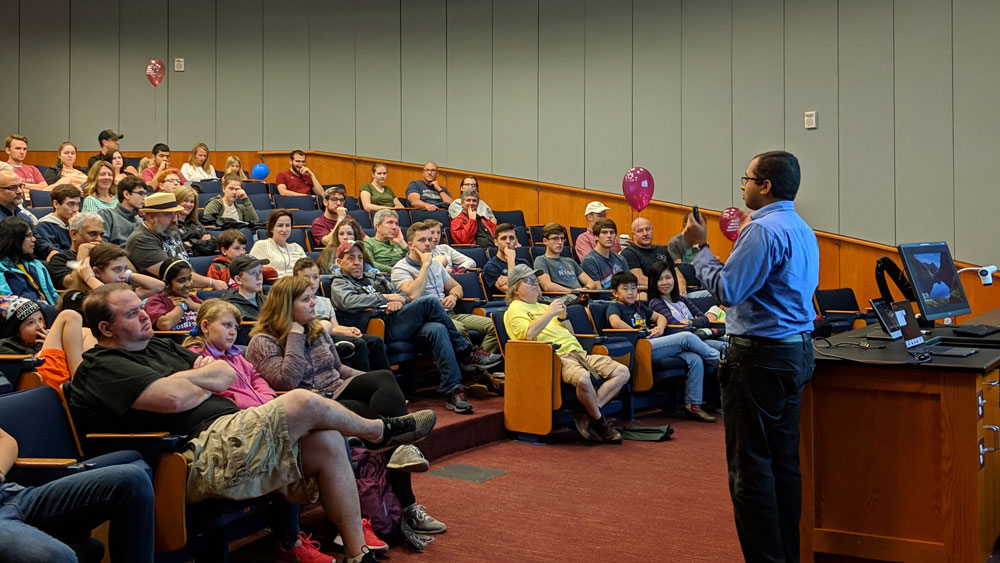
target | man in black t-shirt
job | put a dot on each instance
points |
(642, 254)
(132, 382)
(85, 232)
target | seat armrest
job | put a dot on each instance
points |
(43, 462)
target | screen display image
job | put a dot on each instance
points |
(888, 318)
(936, 285)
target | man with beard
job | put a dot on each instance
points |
(298, 180)
(156, 240)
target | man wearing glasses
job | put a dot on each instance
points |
(122, 219)
(597, 379)
(455, 208)
(564, 273)
(334, 212)
(11, 198)
(428, 194)
(767, 283)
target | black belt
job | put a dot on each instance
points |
(748, 340)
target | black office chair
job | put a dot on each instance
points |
(840, 308)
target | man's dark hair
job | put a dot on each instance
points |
(129, 184)
(603, 224)
(303, 264)
(229, 237)
(97, 309)
(503, 228)
(553, 229)
(782, 169)
(623, 278)
(62, 192)
(291, 155)
(416, 228)
(160, 147)
(12, 233)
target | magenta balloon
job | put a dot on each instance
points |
(729, 222)
(155, 71)
(637, 185)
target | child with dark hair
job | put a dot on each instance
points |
(176, 307)
(627, 312)
(23, 332)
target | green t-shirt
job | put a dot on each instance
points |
(384, 255)
(386, 197)
(520, 315)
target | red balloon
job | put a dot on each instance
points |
(637, 185)
(155, 71)
(729, 222)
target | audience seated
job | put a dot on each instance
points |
(334, 213)
(157, 240)
(419, 274)
(61, 346)
(132, 382)
(109, 142)
(289, 343)
(495, 270)
(627, 312)
(65, 170)
(603, 262)
(52, 230)
(469, 227)
(121, 220)
(642, 254)
(175, 307)
(563, 273)
(387, 246)
(167, 180)
(369, 350)
(231, 205)
(159, 163)
(98, 263)
(85, 229)
(38, 522)
(20, 273)
(450, 258)
(234, 166)
(597, 379)
(232, 243)
(247, 296)
(197, 241)
(348, 231)
(100, 191)
(428, 193)
(586, 241)
(12, 198)
(423, 320)
(455, 208)
(118, 164)
(298, 179)
(666, 299)
(679, 249)
(16, 147)
(375, 195)
(198, 168)
(276, 248)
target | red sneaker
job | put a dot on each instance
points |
(305, 551)
(371, 540)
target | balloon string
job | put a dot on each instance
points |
(154, 112)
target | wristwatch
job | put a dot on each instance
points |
(700, 246)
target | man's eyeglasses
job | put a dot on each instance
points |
(745, 179)
(530, 281)
(172, 181)
(14, 187)
(469, 185)
(140, 192)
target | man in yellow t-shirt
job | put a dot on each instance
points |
(597, 379)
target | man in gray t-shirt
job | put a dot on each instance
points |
(565, 274)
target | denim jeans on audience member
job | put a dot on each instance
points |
(34, 521)
(426, 319)
(761, 395)
(688, 347)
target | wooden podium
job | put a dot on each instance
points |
(899, 461)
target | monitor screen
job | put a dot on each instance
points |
(936, 286)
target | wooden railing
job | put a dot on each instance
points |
(844, 261)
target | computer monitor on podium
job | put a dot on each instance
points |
(934, 278)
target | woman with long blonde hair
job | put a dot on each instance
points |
(291, 349)
(100, 191)
(235, 166)
(198, 168)
(197, 240)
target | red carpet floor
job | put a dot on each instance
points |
(570, 501)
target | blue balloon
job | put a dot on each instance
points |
(259, 171)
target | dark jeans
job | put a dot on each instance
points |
(369, 352)
(761, 395)
(426, 320)
(35, 521)
(375, 394)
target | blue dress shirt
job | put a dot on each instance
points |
(770, 277)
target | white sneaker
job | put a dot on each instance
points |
(408, 459)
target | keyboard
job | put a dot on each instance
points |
(975, 330)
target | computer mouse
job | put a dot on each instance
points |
(922, 357)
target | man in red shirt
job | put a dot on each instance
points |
(298, 180)
(17, 149)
